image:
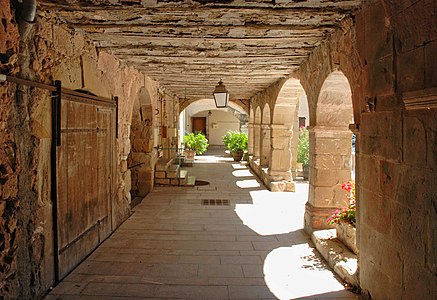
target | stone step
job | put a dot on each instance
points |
(191, 181)
(183, 174)
(172, 171)
(163, 164)
(339, 257)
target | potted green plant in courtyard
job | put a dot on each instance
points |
(238, 144)
(303, 151)
(227, 139)
(194, 143)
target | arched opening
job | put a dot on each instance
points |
(330, 150)
(141, 137)
(203, 116)
(265, 137)
(290, 113)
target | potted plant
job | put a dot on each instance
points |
(345, 219)
(194, 143)
(227, 139)
(303, 151)
(238, 144)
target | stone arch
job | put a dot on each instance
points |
(330, 148)
(205, 105)
(265, 136)
(257, 133)
(140, 160)
(285, 129)
(334, 105)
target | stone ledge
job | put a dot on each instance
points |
(338, 256)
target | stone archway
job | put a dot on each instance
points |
(285, 130)
(140, 160)
(265, 146)
(330, 150)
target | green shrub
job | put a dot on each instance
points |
(303, 147)
(196, 142)
(237, 141)
(228, 136)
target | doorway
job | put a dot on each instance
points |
(199, 124)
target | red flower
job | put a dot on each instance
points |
(347, 186)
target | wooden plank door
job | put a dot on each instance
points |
(85, 162)
(199, 124)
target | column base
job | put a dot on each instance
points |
(315, 217)
(275, 183)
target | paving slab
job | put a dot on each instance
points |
(175, 247)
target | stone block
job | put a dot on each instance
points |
(93, 80)
(376, 212)
(411, 70)
(162, 181)
(332, 146)
(62, 41)
(160, 174)
(412, 32)
(370, 172)
(430, 64)
(69, 73)
(382, 76)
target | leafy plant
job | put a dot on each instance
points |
(196, 142)
(228, 136)
(237, 141)
(303, 147)
(346, 214)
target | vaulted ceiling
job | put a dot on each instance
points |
(188, 46)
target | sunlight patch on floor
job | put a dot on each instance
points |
(295, 272)
(247, 184)
(242, 173)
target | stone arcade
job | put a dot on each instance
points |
(367, 67)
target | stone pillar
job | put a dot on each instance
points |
(256, 141)
(265, 145)
(330, 153)
(280, 156)
(293, 147)
(251, 139)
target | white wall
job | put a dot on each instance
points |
(218, 124)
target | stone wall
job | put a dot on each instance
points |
(50, 52)
(388, 51)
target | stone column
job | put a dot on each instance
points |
(330, 153)
(265, 145)
(280, 156)
(293, 147)
(251, 139)
(256, 141)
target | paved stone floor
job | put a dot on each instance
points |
(174, 247)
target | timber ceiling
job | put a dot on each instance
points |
(188, 46)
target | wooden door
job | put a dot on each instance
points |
(199, 124)
(85, 178)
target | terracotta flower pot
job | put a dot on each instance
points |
(189, 154)
(237, 155)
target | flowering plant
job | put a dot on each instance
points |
(346, 214)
